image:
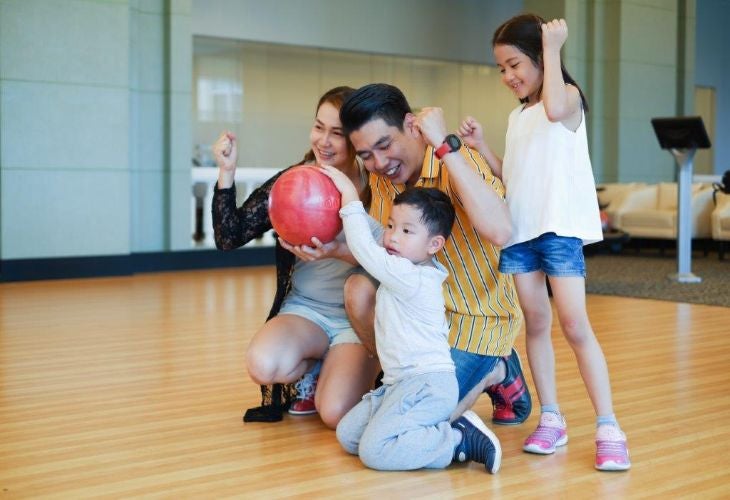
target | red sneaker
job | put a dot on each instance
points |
(511, 398)
(304, 402)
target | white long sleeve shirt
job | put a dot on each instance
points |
(411, 332)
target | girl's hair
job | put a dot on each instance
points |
(335, 97)
(524, 32)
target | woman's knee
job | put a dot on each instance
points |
(262, 368)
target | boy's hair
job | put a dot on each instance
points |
(437, 211)
(373, 101)
(524, 32)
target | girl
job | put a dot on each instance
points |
(308, 318)
(552, 201)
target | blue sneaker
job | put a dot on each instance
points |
(478, 443)
(510, 399)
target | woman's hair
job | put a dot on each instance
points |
(524, 32)
(335, 97)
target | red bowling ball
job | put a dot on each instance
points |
(305, 203)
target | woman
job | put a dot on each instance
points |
(307, 323)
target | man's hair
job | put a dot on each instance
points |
(437, 211)
(373, 101)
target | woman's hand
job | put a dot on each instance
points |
(472, 134)
(317, 251)
(225, 153)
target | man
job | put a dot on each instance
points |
(402, 149)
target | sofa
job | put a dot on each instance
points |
(611, 195)
(651, 211)
(720, 221)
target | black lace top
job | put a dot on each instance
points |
(234, 227)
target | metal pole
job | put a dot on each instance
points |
(684, 159)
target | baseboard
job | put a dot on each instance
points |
(125, 265)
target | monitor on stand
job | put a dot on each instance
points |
(682, 136)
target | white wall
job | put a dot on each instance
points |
(95, 127)
(457, 30)
(712, 69)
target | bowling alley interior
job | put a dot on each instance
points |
(126, 315)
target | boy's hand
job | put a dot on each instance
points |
(225, 151)
(471, 133)
(343, 184)
(554, 34)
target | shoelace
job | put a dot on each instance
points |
(305, 387)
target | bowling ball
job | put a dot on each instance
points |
(305, 203)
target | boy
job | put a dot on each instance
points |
(404, 424)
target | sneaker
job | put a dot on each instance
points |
(550, 433)
(611, 451)
(304, 402)
(510, 399)
(478, 443)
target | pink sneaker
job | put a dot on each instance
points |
(304, 402)
(611, 451)
(550, 433)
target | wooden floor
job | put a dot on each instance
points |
(135, 387)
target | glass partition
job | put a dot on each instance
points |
(266, 94)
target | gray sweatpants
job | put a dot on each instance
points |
(405, 425)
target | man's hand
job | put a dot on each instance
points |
(431, 123)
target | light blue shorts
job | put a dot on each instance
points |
(331, 319)
(559, 256)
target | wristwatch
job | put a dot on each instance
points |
(451, 143)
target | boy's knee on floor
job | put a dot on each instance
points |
(346, 440)
(372, 456)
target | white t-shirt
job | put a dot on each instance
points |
(548, 178)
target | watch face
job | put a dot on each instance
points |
(453, 141)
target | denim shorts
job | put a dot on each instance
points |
(471, 369)
(560, 256)
(331, 319)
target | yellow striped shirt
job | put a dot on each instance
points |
(481, 303)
